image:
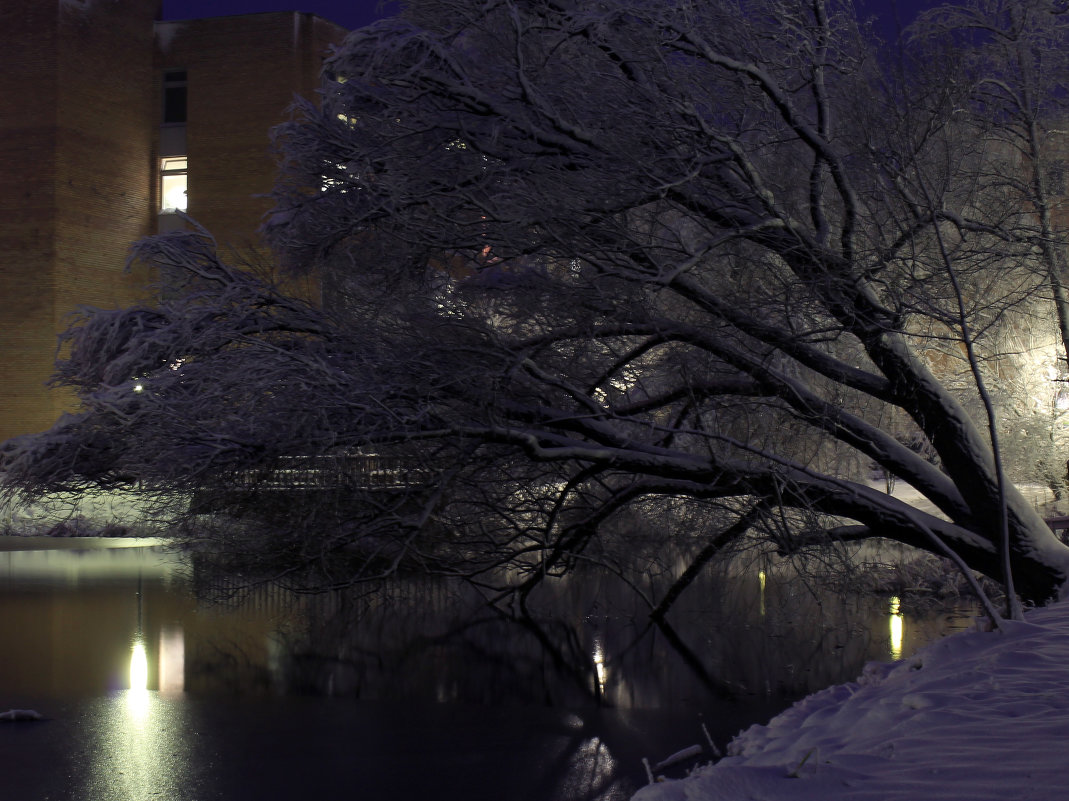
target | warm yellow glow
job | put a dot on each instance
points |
(761, 581)
(173, 193)
(897, 625)
(139, 667)
(599, 664)
(173, 184)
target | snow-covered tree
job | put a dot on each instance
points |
(1013, 55)
(580, 259)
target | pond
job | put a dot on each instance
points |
(154, 688)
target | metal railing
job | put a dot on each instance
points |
(327, 472)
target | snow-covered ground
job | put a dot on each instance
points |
(976, 716)
(1040, 497)
(72, 515)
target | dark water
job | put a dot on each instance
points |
(423, 692)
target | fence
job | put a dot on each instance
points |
(325, 472)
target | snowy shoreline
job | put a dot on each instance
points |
(114, 513)
(976, 715)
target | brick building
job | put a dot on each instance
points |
(110, 121)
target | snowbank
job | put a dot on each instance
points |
(974, 716)
(87, 514)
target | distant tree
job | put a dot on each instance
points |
(1013, 55)
(1013, 58)
(580, 261)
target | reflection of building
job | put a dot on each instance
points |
(112, 121)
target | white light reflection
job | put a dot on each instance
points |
(591, 774)
(172, 662)
(139, 666)
(897, 626)
(573, 721)
(141, 749)
(137, 699)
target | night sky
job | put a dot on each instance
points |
(348, 13)
(355, 13)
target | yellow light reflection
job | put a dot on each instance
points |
(599, 664)
(761, 580)
(897, 625)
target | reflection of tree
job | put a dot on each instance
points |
(716, 686)
(439, 641)
(231, 643)
(227, 665)
(428, 638)
(436, 641)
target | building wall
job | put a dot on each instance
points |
(243, 74)
(104, 146)
(74, 179)
(29, 92)
(79, 157)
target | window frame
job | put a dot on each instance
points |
(171, 168)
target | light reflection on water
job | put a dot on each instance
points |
(123, 629)
(897, 627)
(599, 664)
(139, 667)
(172, 659)
(141, 749)
(764, 636)
(762, 581)
(592, 769)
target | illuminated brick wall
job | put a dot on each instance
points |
(80, 114)
(243, 73)
(75, 178)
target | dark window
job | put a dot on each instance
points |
(174, 97)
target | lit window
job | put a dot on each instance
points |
(173, 171)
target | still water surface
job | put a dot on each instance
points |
(421, 693)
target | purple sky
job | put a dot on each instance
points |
(348, 13)
(354, 13)
(894, 14)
